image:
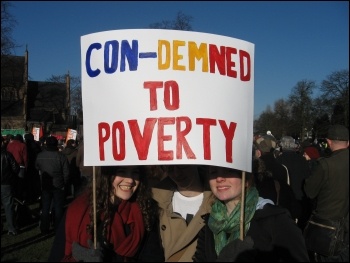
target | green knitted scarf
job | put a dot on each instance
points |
(227, 228)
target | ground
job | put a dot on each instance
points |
(29, 245)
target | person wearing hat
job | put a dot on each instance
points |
(311, 154)
(329, 185)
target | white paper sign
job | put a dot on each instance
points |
(36, 133)
(71, 135)
(154, 96)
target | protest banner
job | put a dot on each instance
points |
(36, 133)
(71, 135)
(156, 97)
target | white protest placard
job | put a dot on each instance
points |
(36, 133)
(71, 134)
(153, 96)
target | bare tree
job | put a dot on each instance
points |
(320, 107)
(265, 122)
(282, 116)
(302, 113)
(276, 120)
(75, 93)
(335, 92)
(301, 108)
(8, 23)
(181, 22)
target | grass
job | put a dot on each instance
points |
(29, 245)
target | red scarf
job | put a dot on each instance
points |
(128, 213)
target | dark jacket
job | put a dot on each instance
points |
(272, 189)
(74, 172)
(276, 238)
(9, 167)
(298, 169)
(278, 171)
(329, 184)
(54, 169)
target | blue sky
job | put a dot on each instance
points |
(293, 41)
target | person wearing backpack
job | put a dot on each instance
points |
(9, 170)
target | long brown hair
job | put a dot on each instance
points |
(104, 207)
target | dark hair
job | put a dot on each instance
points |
(259, 170)
(29, 137)
(104, 208)
(70, 143)
(51, 141)
(19, 137)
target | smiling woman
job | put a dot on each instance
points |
(269, 232)
(126, 215)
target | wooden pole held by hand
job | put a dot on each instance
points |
(241, 220)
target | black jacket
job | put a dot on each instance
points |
(278, 171)
(286, 198)
(276, 238)
(54, 168)
(9, 167)
(298, 169)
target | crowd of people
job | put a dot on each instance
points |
(184, 213)
(46, 175)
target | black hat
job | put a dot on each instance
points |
(338, 132)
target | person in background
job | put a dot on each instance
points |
(311, 154)
(183, 199)
(32, 178)
(86, 172)
(264, 147)
(298, 170)
(270, 234)
(8, 138)
(9, 170)
(269, 188)
(71, 152)
(272, 178)
(126, 216)
(329, 186)
(54, 171)
(18, 149)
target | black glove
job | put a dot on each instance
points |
(87, 254)
(238, 250)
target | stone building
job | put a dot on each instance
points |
(26, 104)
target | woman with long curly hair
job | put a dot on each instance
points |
(126, 220)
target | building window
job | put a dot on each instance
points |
(8, 94)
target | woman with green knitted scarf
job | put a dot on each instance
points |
(270, 233)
